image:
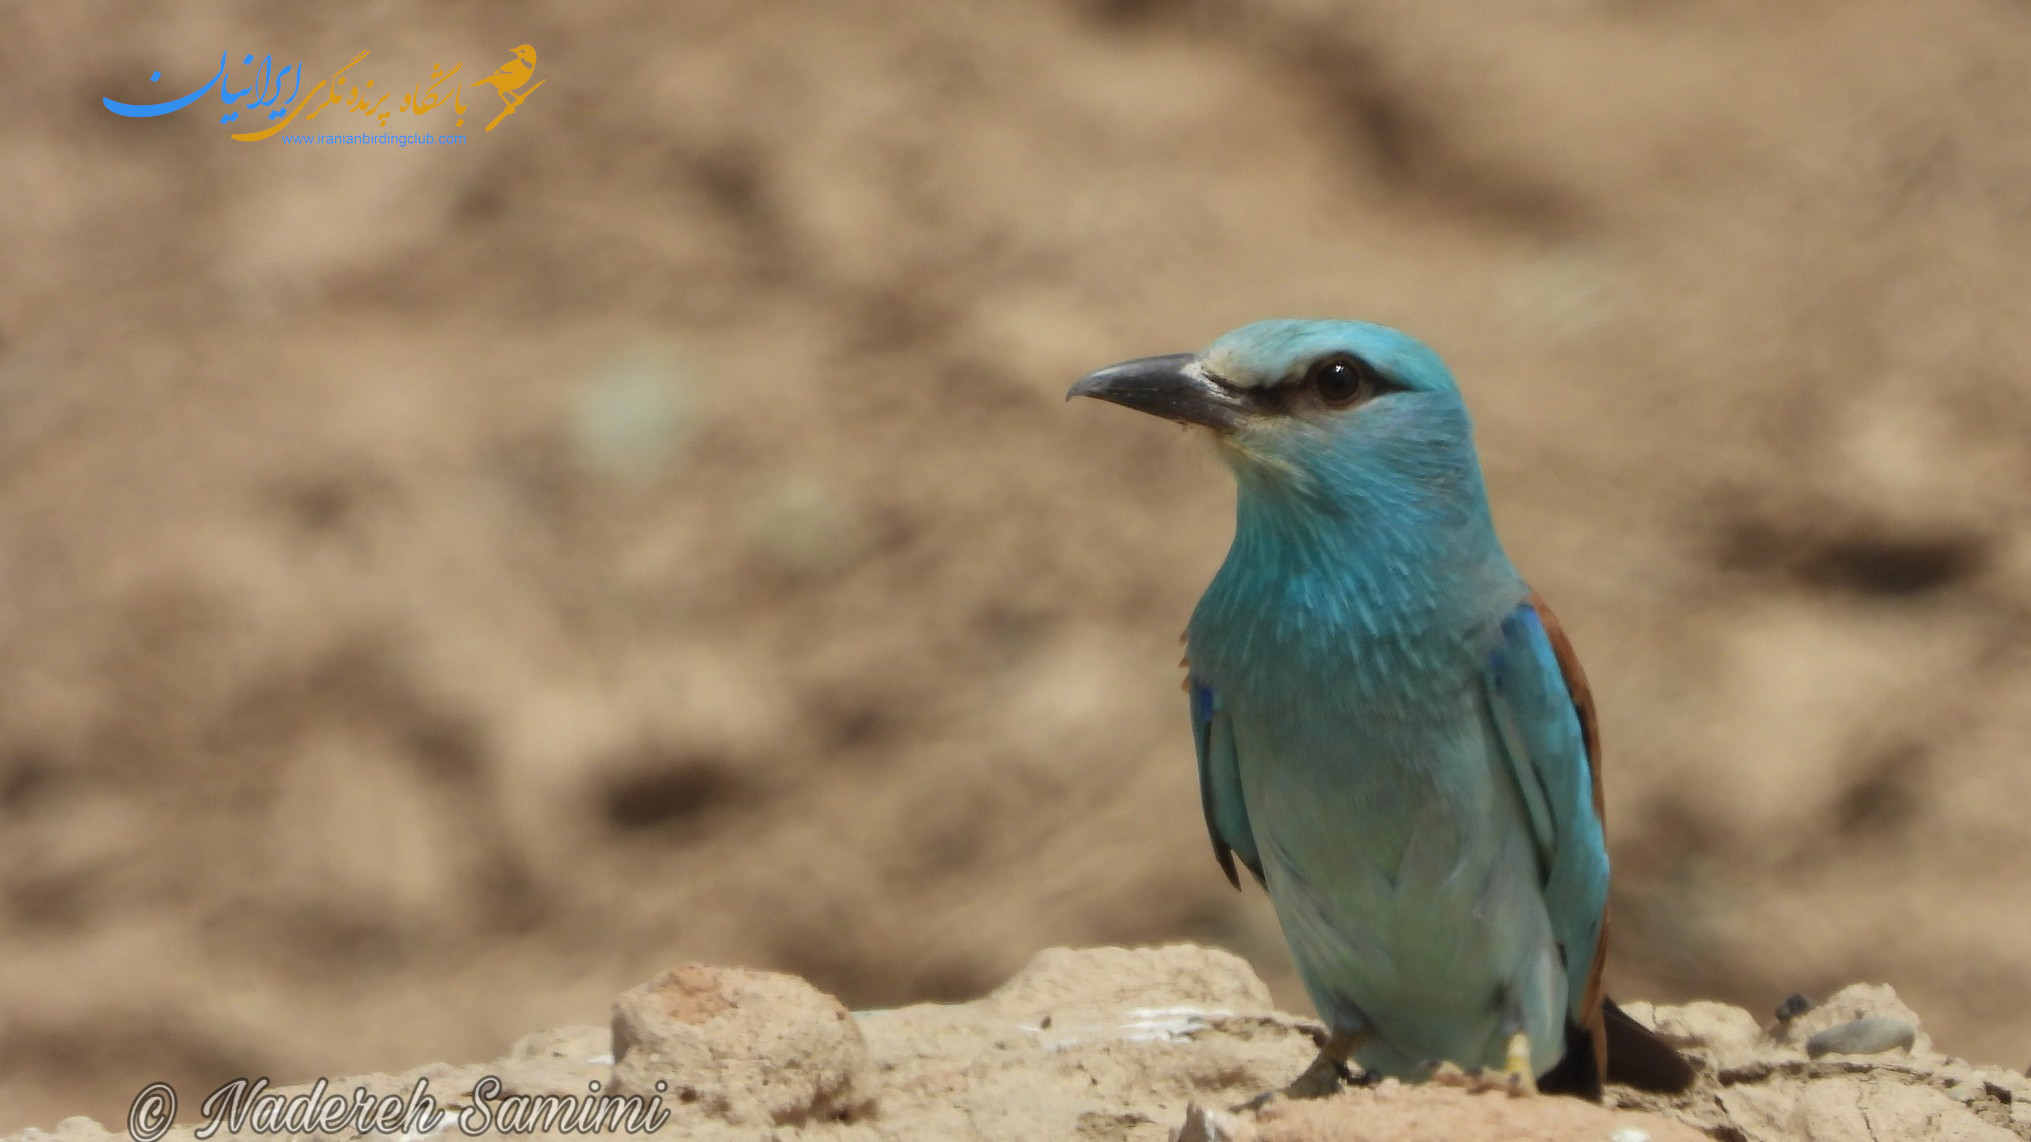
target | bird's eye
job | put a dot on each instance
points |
(1341, 381)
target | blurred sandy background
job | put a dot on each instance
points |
(441, 587)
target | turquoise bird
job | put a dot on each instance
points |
(1393, 734)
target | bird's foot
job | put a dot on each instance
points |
(1450, 1074)
(1256, 1104)
(1514, 1079)
(1324, 1078)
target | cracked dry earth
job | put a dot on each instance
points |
(1151, 1044)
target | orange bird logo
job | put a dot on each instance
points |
(511, 81)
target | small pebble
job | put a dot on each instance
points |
(1794, 1005)
(1629, 1134)
(1870, 1036)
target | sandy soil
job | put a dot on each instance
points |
(439, 588)
(1125, 1046)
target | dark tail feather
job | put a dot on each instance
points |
(1579, 1072)
(1636, 1057)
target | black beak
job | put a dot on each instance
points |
(1175, 387)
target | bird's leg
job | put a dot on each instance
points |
(1325, 1076)
(1516, 1065)
(1516, 1068)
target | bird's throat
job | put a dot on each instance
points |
(1412, 577)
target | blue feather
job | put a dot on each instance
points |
(1220, 786)
(1546, 747)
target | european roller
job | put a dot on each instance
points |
(1393, 734)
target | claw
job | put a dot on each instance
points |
(1327, 1074)
(1255, 1104)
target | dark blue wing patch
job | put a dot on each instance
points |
(1220, 785)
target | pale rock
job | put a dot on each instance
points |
(1855, 1001)
(1727, 1035)
(746, 1047)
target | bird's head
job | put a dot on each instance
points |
(1308, 405)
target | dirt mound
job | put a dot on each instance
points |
(1148, 1044)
